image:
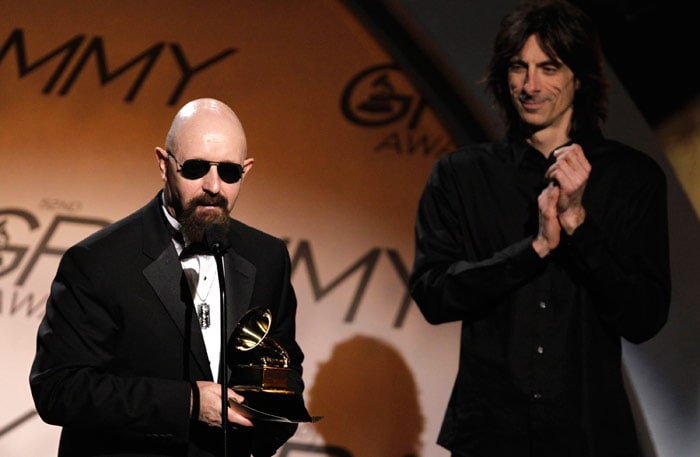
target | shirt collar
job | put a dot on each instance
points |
(520, 148)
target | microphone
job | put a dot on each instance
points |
(215, 239)
(216, 242)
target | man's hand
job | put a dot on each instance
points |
(210, 406)
(549, 233)
(570, 172)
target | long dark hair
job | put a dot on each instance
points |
(565, 33)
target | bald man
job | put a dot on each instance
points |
(127, 359)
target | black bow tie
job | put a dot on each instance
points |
(194, 249)
(191, 249)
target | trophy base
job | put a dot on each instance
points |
(276, 407)
(258, 378)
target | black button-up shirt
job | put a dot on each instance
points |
(540, 359)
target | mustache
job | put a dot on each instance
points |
(208, 200)
(525, 97)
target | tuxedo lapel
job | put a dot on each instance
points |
(166, 277)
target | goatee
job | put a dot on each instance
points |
(194, 224)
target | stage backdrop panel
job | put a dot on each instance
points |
(343, 144)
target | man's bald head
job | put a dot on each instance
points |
(206, 118)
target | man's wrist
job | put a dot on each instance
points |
(541, 247)
(572, 218)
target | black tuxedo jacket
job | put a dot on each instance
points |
(120, 340)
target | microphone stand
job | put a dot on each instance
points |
(218, 256)
(215, 240)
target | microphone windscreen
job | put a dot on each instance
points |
(215, 238)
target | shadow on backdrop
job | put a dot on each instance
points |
(369, 399)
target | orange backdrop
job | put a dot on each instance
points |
(343, 145)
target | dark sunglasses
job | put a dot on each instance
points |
(196, 168)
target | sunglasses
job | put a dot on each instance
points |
(196, 168)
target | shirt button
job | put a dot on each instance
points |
(543, 305)
(540, 349)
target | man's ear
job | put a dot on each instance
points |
(162, 157)
(247, 166)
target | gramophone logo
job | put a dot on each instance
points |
(381, 96)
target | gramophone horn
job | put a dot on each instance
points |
(252, 329)
(250, 335)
